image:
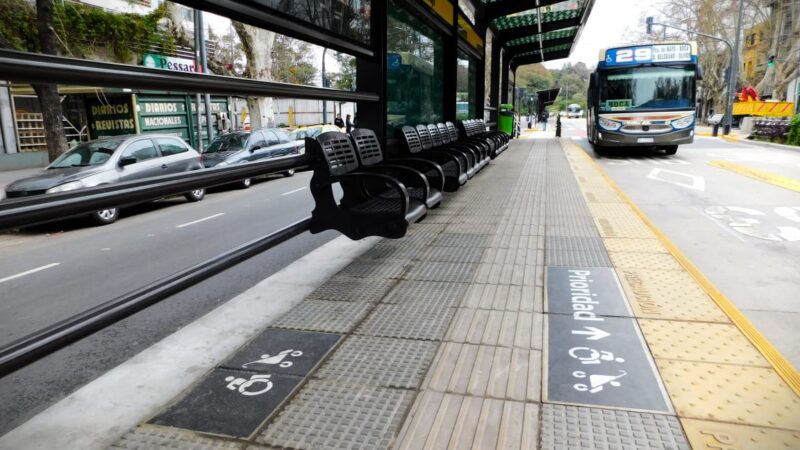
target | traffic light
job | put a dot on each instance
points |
(771, 61)
(649, 22)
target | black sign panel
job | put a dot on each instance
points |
(586, 293)
(229, 402)
(283, 351)
(235, 399)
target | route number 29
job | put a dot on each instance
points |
(745, 221)
(635, 55)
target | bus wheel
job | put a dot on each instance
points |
(671, 149)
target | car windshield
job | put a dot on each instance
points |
(227, 143)
(303, 133)
(647, 88)
(92, 153)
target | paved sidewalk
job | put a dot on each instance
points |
(534, 309)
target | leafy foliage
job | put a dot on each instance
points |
(84, 31)
(291, 61)
(794, 131)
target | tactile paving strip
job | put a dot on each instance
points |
(728, 393)
(513, 256)
(427, 293)
(501, 297)
(407, 321)
(574, 244)
(577, 259)
(504, 328)
(375, 269)
(450, 421)
(461, 240)
(148, 437)
(516, 274)
(441, 271)
(339, 415)
(453, 254)
(700, 341)
(658, 261)
(352, 289)
(573, 427)
(324, 315)
(703, 434)
(633, 245)
(487, 371)
(668, 294)
(379, 361)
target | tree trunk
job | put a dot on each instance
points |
(48, 93)
(257, 44)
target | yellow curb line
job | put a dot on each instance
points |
(758, 174)
(730, 138)
(781, 365)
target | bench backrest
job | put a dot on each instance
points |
(367, 146)
(424, 137)
(435, 138)
(444, 133)
(333, 153)
(451, 128)
(410, 138)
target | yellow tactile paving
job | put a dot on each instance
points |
(449, 421)
(668, 295)
(729, 393)
(601, 196)
(655, 261)
(706, 435)
(610, 226)
(486, 371)
(623, 245)
(489, 327)
(700, 341)
(501, 297)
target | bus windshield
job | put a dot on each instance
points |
(646, 88)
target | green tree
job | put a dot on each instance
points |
(291, 61)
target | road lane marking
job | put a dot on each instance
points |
(293, 191)
(697, 183)
(199, 220)
(28, 272)
(760, 175)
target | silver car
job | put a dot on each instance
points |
(112, 160)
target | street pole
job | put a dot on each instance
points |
(198, 64)
(201, 32)
(734, 67)
(324, 84)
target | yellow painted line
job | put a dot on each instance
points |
(779, 362)
(731, 138)
(760, 175)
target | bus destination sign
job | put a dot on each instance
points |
(648, 54)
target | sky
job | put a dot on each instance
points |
(609, 22)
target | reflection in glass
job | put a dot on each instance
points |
(466, 79)
(415, 71)
(349, 18)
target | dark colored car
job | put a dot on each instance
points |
(112, 160)
(241, 147)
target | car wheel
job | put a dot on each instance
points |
(671, 149)
(195, 195)
(246, 183)
(289, 173)
(105, 216)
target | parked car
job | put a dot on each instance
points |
(112, 160)
(313, 131)
(248, 146)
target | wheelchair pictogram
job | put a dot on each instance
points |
(588, 355)
(243, 385)
(277, 359)
(596, 382)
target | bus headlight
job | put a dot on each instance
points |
(610, 125)
(683, 122)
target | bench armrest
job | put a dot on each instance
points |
(411, 161)
(394, 183)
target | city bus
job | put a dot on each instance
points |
(574, 111)
(643, 96)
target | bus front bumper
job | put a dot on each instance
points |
(616, 139)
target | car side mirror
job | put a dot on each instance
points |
(254, 148)
(127, 161)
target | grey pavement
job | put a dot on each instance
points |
(743, 234)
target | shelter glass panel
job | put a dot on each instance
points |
(415, 60)
(466, 83)
(349, 18)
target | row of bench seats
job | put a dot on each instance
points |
(382, 196)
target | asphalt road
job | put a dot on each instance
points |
(742, 233)
(54, 271)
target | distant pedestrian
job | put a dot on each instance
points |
(338, 121)
(545, 116)
(348, 123)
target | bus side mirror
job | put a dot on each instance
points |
(699, 73)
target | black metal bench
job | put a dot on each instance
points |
(479, 151)
(476, 128)
(430, 139)
(453, 167)
(364, 209)
(484, 147)
(423, 179)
